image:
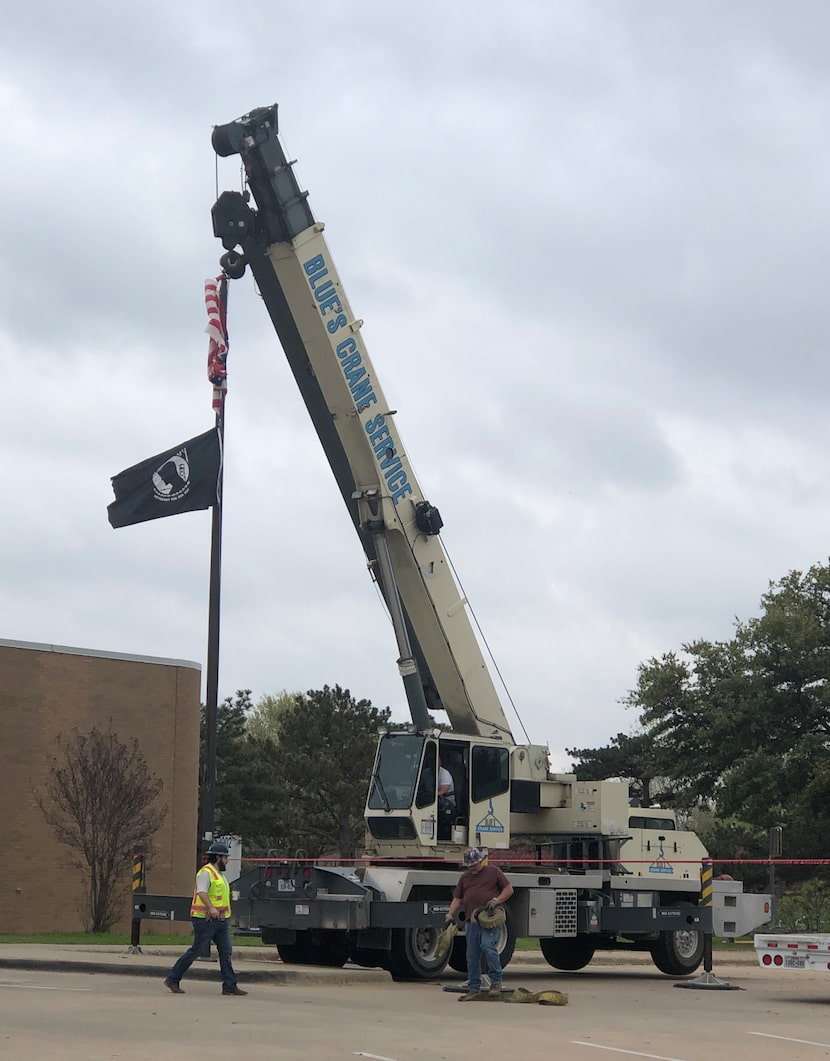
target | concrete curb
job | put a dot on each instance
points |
(248, 976)
(157, 962)
(265, 968)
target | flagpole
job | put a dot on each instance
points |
(212, 677)
(207, 799)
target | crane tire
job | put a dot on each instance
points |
(305, 952)
(567, 953)
(412, 956)
(679, 953)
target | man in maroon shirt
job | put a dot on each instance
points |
(482, 887)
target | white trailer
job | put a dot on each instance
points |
(806, 950)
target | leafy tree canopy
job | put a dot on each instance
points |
(636, 758)
(293, 770)
(263, 719)
(323, 761)
(742, 725)
(247, 800)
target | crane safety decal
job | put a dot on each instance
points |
(489, 823)
(661, 865)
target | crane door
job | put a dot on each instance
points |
(425, 810)
(490, 796)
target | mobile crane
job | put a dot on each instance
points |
(561, 841)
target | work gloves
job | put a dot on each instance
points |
(450, 919)
(491, 906)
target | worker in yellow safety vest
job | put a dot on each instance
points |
(210, 914)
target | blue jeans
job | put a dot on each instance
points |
(482, 941)
(206, 932)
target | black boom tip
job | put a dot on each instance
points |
(233, 137)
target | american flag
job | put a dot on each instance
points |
(217, 329)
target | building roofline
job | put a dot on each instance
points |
(67, 650)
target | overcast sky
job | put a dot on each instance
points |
(589, 244)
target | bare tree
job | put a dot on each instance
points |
(100, 799)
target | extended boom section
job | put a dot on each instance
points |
(440, 659)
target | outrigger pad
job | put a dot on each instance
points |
(521, 994)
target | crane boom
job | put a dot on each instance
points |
(440, 660)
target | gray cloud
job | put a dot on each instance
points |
(589, 247)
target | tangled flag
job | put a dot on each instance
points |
(182, 479)
(217, 330)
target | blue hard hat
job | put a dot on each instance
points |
(218, 847)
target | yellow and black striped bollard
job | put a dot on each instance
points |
(139, 886)
(706, 876)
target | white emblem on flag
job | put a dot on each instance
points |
(172, 480)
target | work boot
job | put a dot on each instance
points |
(233, 991)
(485, 982)
(494, 989)
(172, 985)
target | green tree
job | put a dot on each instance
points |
(637, 759)
(323, 762)
(263, 719)
(731, 838)
(743, 725)
(689, 708)
(806, 908)
(292, 771)
(247, 793)
(100, 799)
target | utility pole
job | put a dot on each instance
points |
(776, 847)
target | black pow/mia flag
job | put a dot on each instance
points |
(183, 479)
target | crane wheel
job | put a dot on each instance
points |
(568, 953)
(679, 953)
(305, 952)
(413, 954)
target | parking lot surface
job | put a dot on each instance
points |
(93, 1011)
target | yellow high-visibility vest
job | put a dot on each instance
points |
(219, 894)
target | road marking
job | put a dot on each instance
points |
(618, 1050)
(789, 1039)
(377, 1057)
(41, 987)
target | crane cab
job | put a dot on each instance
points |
(406, 816)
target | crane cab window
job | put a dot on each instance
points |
(396, 771)
(491, 773)
(643, 821)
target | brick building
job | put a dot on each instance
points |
(46, 690)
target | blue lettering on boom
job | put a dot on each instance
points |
(356, 377)
(390, 463)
